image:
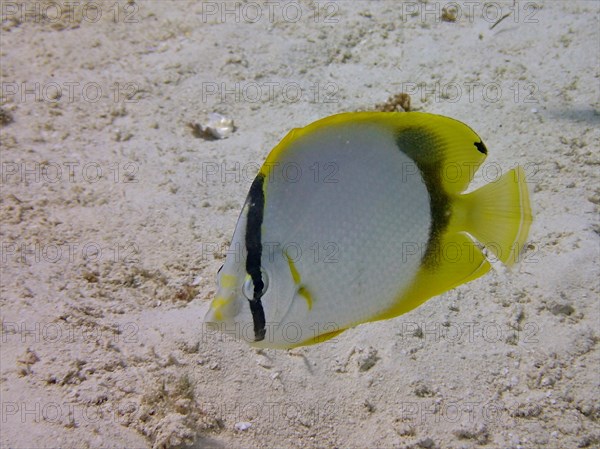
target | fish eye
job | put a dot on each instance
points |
(248, 287)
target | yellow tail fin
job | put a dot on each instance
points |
(499, 215)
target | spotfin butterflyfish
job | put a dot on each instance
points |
(360, 217)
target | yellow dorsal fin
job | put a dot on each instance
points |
(450, 146)
(446, 151)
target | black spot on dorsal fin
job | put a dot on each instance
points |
(481, 147)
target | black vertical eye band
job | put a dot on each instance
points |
(256, 200)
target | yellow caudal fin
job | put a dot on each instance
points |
(498, 215)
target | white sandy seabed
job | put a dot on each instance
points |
(116, 215)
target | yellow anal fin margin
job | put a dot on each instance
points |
(457, 259)
(319, 338)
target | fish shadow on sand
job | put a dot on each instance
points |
(578, 114)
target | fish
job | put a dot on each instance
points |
(360, 217)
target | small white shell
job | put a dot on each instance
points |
(241, 426)
(218, 126)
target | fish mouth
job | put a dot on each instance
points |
(221, 319)
(230, 315)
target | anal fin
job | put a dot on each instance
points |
(455, 260)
